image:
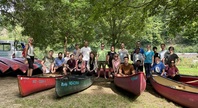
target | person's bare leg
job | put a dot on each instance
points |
(64, 71)
(31, 70)
(104, 66)
(44, 69)
(98, 73)
(28, 72)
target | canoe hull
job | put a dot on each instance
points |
(185, 98)
(72, 84)
(188, 78)
(135, 84)
(3, 67)
(29, 85)
(12, 64)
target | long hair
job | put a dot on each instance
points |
(91, 59)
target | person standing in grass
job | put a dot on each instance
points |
(149, 60)
(48, 62)
(29, 54)
(76, 52)
(156, 54)
(123, 53)
(92, 65)
(110, 57)
(138, 45)
(126, 69)
(85, 51)
(138, 56)
(101, 56)
(162, 52)
(171, 56)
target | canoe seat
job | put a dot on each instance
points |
(182, 87)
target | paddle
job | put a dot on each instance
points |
(192, 81)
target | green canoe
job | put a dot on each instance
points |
(72, 84)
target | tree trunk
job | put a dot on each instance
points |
(65, 46)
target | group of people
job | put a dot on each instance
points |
(84, 61)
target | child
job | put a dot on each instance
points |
(172, 71)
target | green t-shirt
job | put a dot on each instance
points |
(102, 55)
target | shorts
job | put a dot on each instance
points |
(31, 62)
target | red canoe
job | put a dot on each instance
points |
(135, 84)
(14, 65)
(22, 60)
(29, 85)
(188, 79)
(178, 92)
(3, 67)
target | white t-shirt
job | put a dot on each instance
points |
(138, 56)
(85, 52)
(162, 53)
(123, 53)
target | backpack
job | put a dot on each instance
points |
(23, 52)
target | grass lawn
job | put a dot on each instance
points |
(188, 70)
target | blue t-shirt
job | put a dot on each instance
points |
(158, 68)
(59, 62)
(148, 56)
(142, 51)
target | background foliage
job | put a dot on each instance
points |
(60, 24)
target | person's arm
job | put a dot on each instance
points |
(113, 66)
(177, 70)
(142, 59)
(178, 61)
(95, 65)
(152, 68)
(152, 60)
(163, 70)
(77, 65)
(26, 50)
(132, 70)
(43, 61)
(88, 67)
(120, 70)
(134, 58)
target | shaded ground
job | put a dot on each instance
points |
(103, 93)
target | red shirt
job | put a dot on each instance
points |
(172, 71)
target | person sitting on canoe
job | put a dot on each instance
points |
(80, 65)
(92, 65)
(48, 62)
(173, 72)
(70, 66)
(138, 66)
(126, 69)
(66, 56)
(116, 64)
(158, 67)
(58, 63)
